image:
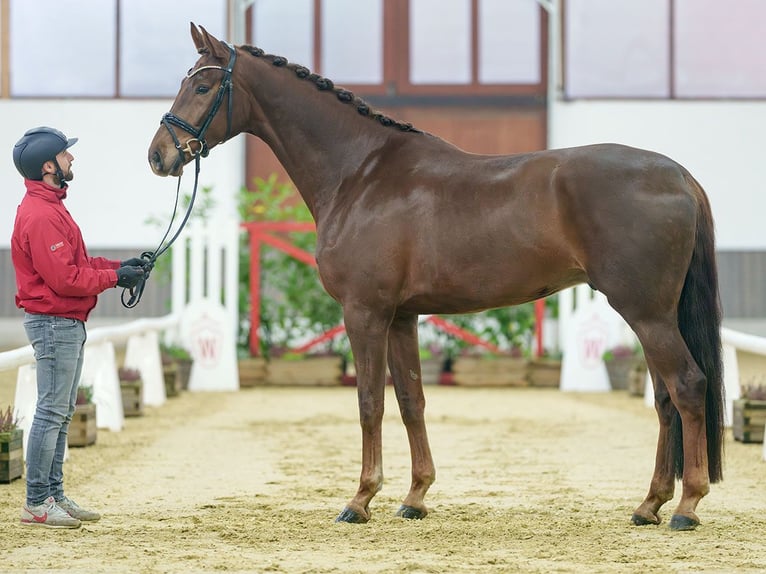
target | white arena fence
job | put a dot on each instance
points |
(205, 267)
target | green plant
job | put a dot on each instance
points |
(175, 352)
(204, 204)
(293, 301)
(84, 395)
(511, 329)
(8, 420)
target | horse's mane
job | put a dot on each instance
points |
(325, 84)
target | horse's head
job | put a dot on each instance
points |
(201, 115)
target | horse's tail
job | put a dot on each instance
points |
(699, 320)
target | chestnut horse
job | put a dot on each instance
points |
(408, 224)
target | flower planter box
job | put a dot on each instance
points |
(82, 429)
(749, 420)
(491, 371)
(172, 376)
(184, 372)
(132, 398)
(619, 369)
(309, 371)
(637, 380)
(431, 370)
(11, 455)
(545, 373)
(252, 371)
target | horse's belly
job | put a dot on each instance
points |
(472, 291)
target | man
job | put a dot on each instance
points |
(57, 286)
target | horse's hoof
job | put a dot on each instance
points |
(681, 522)
(351, 516)
(410, 512)
(640, 520)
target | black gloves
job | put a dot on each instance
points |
(129, 276)
(133, 262)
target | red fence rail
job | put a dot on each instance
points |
(261, 232)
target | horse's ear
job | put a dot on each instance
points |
(199, 41)
(214, 46)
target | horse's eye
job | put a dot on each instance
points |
(202, 90)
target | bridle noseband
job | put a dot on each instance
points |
(198, 135)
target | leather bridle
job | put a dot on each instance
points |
(198, 136)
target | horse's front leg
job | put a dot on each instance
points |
(367, 332)
(404, 364)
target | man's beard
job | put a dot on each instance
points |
(68, 176)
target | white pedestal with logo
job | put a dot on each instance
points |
(593, 328)
(207, 332)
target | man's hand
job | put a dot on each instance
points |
(129, 276)
(133, 262)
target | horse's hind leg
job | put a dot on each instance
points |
(663, 482)
(404, 364)
(679, 387)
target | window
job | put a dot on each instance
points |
(156, 48)
(719, 48)
(55, 53)
(477, 44)
(664, 48)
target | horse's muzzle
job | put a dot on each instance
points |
(159, 166)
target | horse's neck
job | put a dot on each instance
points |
(319, 140)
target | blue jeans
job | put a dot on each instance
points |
(58, 345)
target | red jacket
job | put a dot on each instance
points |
(54, 274)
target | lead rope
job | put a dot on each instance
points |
(151, 256)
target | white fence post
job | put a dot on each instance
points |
(207, 297)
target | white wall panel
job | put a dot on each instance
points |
(721, 143)
(114, 190)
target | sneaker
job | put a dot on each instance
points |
(73, 509)
(48, 514)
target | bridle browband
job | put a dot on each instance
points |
(198, 135)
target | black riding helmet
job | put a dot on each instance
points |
(37, 146)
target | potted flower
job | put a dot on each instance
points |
(132, 388)
(82, 429)
(180, 360)
(511, 330)
(621, 361)
(11, 449)
(545, 370)
(749, 416)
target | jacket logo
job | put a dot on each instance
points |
(58, 245)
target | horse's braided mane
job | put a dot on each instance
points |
(325, 84)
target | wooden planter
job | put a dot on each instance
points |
(431, 371)
(637, 380)
(545, 373)
(11, 455)
(184, 372)
(252, 371)
(491, 371)
(308, 371)
(172, 378)
(132, 398)
(749, 420)
(619, 369)
(82, 429)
